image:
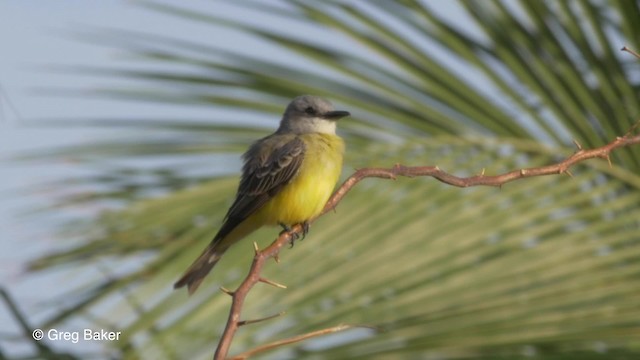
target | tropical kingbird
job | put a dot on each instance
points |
(287, 179)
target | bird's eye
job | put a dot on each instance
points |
(310, 110)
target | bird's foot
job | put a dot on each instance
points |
(294, 235)
(287, 229)
(305, 229)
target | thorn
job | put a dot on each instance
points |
(523, 172)
(482, 172)
(227, 291)
(577, 144)
(437, 168)
(566, 171)
(608, 160)
(272, 283)
(276, 258)
(256, 248)
(624, 48)
(247, 322)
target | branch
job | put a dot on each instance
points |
(286, 237)
(291, 340)
(482, 179)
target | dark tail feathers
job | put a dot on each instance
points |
(199, 269)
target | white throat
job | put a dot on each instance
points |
(324, 126)
(313, 125)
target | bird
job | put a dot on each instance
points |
(287, 178)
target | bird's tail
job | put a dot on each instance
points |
(200, 268)
(212, 253)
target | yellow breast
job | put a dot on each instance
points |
(305, 196)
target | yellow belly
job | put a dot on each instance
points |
(305, 196)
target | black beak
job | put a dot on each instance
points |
(335, 115)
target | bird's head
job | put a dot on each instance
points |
(310, 114)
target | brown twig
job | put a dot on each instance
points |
(253, 321)
(477, 180)
(291, 340)
(238, 296)
(392, 173)
(630, 51)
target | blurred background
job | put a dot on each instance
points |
(122, 125)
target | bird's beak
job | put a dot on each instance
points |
(335, 115)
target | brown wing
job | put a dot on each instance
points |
(269, 165)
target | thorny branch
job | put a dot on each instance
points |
(286, 237)
(392, 173)
(482, 179)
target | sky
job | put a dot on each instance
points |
(36, 37)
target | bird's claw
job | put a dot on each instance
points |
(294, 235)
(305, 229)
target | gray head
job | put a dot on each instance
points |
(310, 114)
